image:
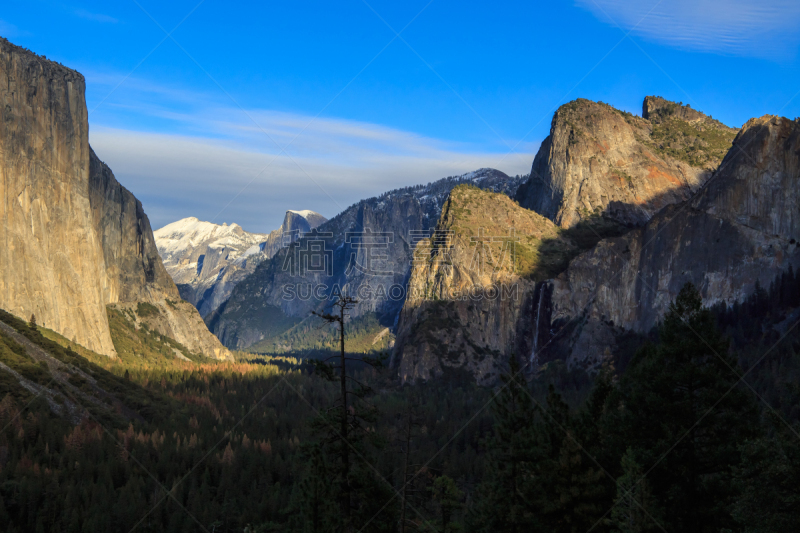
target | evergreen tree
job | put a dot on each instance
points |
(540, 477)
(769, 477)
(502, 502)
(315, 511)
(590, 431)
(448, 497)
(411, 479)
(570, 484)
(634, 508)
(680, 409)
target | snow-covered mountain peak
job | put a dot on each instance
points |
(206, 260)
(305, 213)
(182, 238)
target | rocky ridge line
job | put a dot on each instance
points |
(599, 161)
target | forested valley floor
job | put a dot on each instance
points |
(697, 429)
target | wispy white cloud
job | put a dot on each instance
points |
(206, 161)
(765, 28)
(97, 17)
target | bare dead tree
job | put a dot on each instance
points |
(342, 305)
(350, 418)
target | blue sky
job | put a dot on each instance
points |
(249, 109)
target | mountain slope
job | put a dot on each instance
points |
(275, 298)
(75, 240)
(599, 161)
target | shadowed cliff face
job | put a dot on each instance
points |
(740, 228)
(470, 293)
(598, 160)
(133, 267)
(723, 234)
(74, 239)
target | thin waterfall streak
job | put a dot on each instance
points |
(535, 343)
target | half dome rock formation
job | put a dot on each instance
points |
(207, 260)
(302, 221)
(600, 161)
(295, 225)
(74, 240)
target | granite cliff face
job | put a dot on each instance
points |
(472, 290)
(51, 261)
(599, 161)
(739, 227)
(302, 221)
(133, 269)
(276, 297)
(742, 227)
(74, 239)
(207, 260)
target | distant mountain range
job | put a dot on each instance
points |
(207, 260)
(260, 315)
